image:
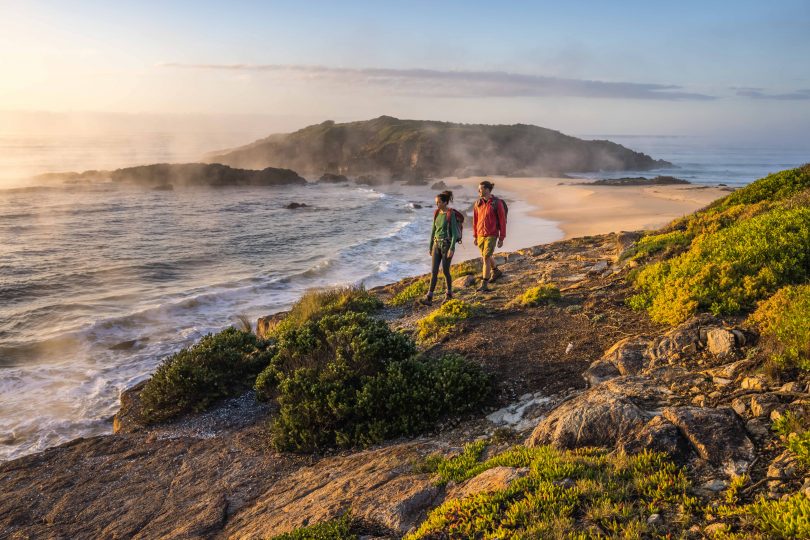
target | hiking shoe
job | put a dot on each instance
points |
(496, 274)
(425, 301)
(483, 287)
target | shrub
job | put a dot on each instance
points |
(336, 529)
(218, 366)
(666, 243)
(419, 287)
(782, 321)
(443, 320)
(774, 187)
(792, 429)
(352, 342)
(730, 270)
(410, 293)
(564, 492)
(348, 380)
(317, 303)
(541, 294)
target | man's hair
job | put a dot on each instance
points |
(487, 184)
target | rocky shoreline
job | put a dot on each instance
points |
(585, 371)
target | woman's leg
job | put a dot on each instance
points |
(434, 272)
(447, 277)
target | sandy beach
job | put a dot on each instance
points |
(580, 210)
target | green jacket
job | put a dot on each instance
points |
(442, 228)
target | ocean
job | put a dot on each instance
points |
(99, 283)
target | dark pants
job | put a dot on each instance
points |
(440, 257)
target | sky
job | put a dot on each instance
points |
(720, 68)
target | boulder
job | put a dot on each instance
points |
(129, 417)
(600, 371)
(628, 355)
(265, 324)
(489, 481)
(659, 435)
(718, 436)
(756, 383)
(624, 241)
(439, 186)
(295, 205)
(600, 416)
(721, 342)
(763, 404)
(464, 281)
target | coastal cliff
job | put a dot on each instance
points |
(416, 149)
(642, 384)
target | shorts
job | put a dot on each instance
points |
(486, 244)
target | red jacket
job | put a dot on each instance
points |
(489, 218)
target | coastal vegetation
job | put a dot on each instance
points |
(783, 323)
(317, 303)
(419, 287)
(562, 491)
(442, 321)
(343, 379)
(218, 366)
(543, 293)
(726, 258)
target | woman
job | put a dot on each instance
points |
(443, 238)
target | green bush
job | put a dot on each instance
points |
(348, 380)
(541, 294)
(337, 529)
(410, 293)
(729, 270)
(782, 321)
(352, 342)
(445, 319)
(419, 287)
(218, 366)
(317, 303)
(564, 493)
(667, 244)
(794, 432)
(773, 188)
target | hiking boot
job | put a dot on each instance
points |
(447, 298)
(425, 301)
(484, 286)
(496, 274)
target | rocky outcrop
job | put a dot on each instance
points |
(601, 416)
(416, 149)
(202, 174)
(329, 178)
(638, 181)
(718, 436)
(489, 481)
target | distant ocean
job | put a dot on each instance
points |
(99, 283)
(708, 161)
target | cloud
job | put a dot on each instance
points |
(430, 82)
(757, 93)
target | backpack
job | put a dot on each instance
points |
(459, 221)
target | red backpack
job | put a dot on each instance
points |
(459, 221)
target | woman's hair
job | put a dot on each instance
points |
(487, 184)
(446, 196)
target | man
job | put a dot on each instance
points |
(489, 227)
